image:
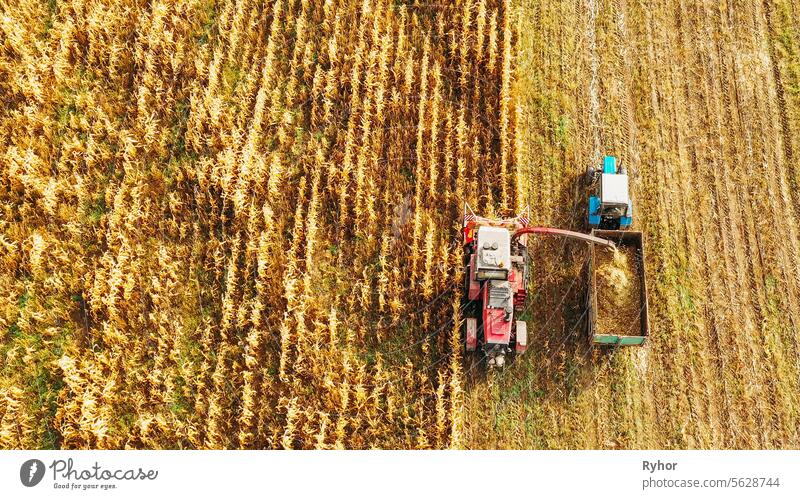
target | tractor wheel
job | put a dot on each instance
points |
(589, 178)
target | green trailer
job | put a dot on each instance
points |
(618, 313)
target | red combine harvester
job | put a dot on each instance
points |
(497, 271)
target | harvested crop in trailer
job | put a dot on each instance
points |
(618, 291)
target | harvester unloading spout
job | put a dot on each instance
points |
(579, 236)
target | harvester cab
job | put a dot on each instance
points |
(612, 208)
(494, 249)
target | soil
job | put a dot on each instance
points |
(618, 292)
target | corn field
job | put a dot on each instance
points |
(235, 224)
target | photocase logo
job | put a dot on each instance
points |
(31, 472)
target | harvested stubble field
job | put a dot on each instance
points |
(701, 100)
(235, 224)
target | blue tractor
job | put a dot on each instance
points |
(611, 208)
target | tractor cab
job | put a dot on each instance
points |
(612, 208)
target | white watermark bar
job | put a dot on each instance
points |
(418, 474)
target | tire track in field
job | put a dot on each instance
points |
(780, 91)
(686, 228)
(782, 238)
(693, 210)
(767, 244)
(747, 300)
(738, 310)
(679, 228)
(594, 81)
(769, 352)
(658, 199)
(784, 39)
(779, 169)
(782, 164)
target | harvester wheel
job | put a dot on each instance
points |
(521, 338)
(471, 325)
